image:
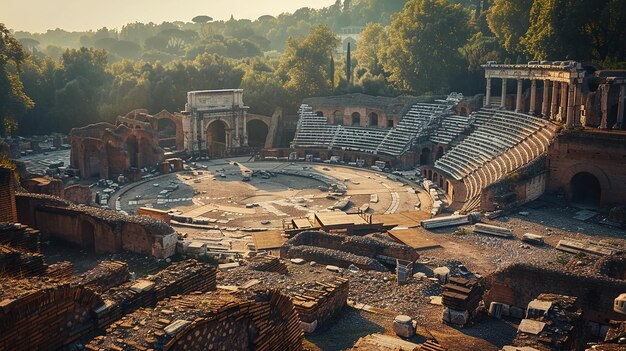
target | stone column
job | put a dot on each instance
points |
(578, 105)
(202, 145)
(503, 101)
(194, 132)
(621, 119)
(570, 106)
(563, 109)
(488, 93)
(555, 100)
(545, 103)
(245, 128)
(518, 99)
(533, 96)
(237, 118)
(604, 105)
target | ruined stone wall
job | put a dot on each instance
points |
(8, 212)
(321, 301)
(178, 279)
(18, 264)
(519, 284)
(106, 275)
(597, 153)
(20, 236)
(78, 194)
(257, 320)
(96, 229)
(46, 317)
(334, 257)
(357, 245)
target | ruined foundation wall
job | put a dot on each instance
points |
(519, 284)
(45, 319)
(95, 229)
(334, 257)
(259, 320)
(322, 301)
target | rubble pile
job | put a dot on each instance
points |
(179, 278)
(553, 322)
(259, 320)
(268, 264)
(460, 298)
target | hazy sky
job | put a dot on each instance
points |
(79, 15)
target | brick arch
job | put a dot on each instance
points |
(603, 178)
(178, 122)
(217, 148)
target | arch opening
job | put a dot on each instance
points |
(356, 119)
(425, 157)
(257, 133)
(338, 118)
(439, 152)
(585, 188)
(216, 138)
(319, 114)
(373, 119)
(132, 148)
(166, 129)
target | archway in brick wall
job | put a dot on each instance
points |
(167, 132)
(585, 188)
(373, 119)
(338, 118)
(216, 138)
(356, 119)
(257, 133)
(132, 147)
(425, 157)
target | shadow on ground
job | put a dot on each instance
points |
(342, 332)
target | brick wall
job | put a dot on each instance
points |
(8, 212)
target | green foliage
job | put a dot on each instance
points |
(303, 65)
(369, 48)
(13, 101)
(509, 20)
(424, 41)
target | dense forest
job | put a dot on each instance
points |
(57, 80)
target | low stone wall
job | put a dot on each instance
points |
(519, 284)
(259, 320)
(78, 194)
(36, 315)
(358, 245)
(20, 236)
(268, 264)
(19, 264)
(334, 257)
(179, 278)
(63, 270)
(320, 301)
(104, 276)
(94, 229)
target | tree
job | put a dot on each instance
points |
(371, 42)
(577, 29)
(509, 20)
(424, 42)
(13, 101)
(202, 19)
(303, 66)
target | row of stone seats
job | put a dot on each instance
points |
(358, 139)
(451, 126)
(312, 130)
(399, 138)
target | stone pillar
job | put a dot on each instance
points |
(604, 105)
(518, 99)
(621, 119)
(503, 101)
(545, 103)
(202, 145)
(563, 108)
(533, 96)
(194, 132)
(555, 100)
(488, 93)
(245, 128)
(570, 106)
(579, 103)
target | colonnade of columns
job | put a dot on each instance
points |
(562, 105)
